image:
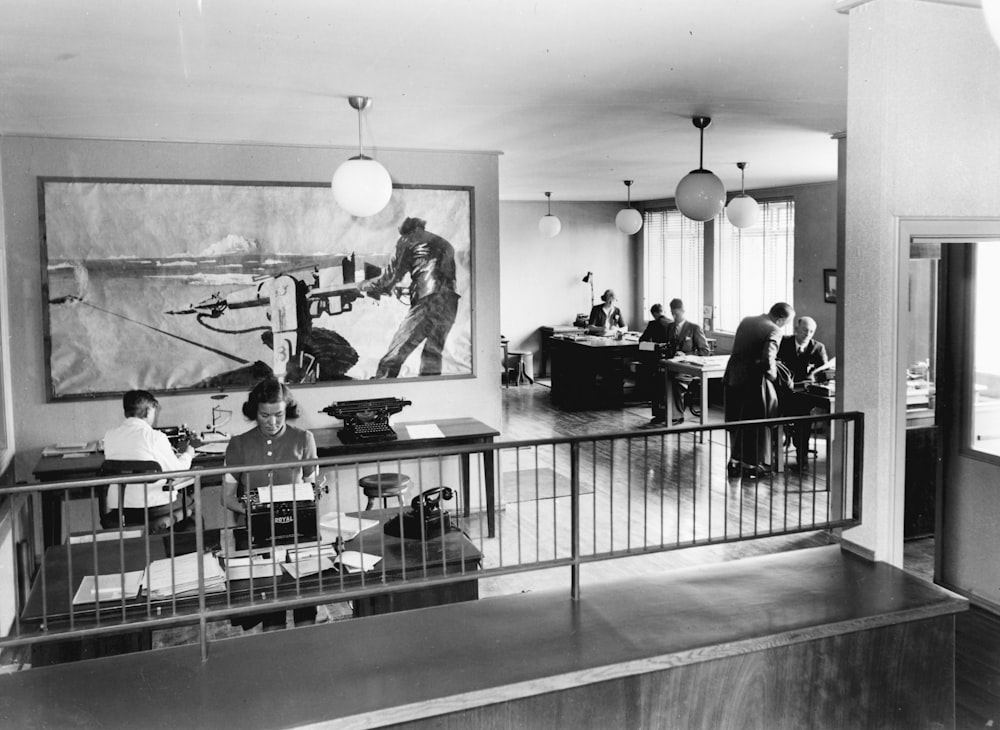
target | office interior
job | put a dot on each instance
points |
(914, 162)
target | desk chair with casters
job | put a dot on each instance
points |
(384, 486)
(161, 517)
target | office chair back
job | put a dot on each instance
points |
(114, 513)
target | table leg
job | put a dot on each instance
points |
(489, 480)
(51, 518)
(670, 408)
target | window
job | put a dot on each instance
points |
(753, 266)
(984, 390)
(673, 254)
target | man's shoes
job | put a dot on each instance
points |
(678, 421)
(802, 467)
(657, 419)
(760, 471)
(734, 469)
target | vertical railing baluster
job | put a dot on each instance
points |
(574, 490)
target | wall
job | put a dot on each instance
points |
(815, 250)
(923, 107)
(541, 278)
(22, 159)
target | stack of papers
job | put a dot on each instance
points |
(81, 448)
(263, 565)
(178, 576)
(94, 588)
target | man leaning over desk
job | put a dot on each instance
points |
(135, 439)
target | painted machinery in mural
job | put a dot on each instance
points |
(301, 352)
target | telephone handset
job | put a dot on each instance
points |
(425, 518)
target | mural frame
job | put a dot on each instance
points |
(178, 286)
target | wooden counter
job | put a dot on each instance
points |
(814, 638)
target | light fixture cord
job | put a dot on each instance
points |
(548, 196)
(361, 149)
(701, 150)
(743, 178)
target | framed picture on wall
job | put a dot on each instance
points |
(177, 285)
(829, 285)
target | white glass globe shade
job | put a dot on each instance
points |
(991, 10)
(549, 225)
(700, 195)
(743, 211)
(628, 220)
(361, 186)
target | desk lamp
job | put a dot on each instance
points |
(220, 415)
(589, 279)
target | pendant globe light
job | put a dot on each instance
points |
(742, 210)
(700, 194)
(628, 220)
(549, 224)
(361, 186)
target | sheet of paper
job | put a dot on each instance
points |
(307, 567)
(215, 447)
(108, 587)
(299, 492)
(424, 431)
(355, 562)
(346, 527)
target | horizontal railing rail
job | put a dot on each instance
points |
(562, 503)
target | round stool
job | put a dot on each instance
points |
(524, 366)
(383, 486)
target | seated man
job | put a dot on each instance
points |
(802, 355)
(687, 338)
(655, 332)
(135, 439)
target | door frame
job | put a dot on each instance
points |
(944, 231)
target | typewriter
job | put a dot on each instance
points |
(366, 420)
(293, 509)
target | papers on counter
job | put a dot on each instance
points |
(424, 431)
(178, 576)
(215, 447)
(71, 450)
(94, 588)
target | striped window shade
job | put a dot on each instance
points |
(673, 253)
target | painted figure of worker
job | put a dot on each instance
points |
(430, 261)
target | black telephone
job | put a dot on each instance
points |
(425, 518)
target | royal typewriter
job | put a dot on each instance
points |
(366, 420)
(278, 514)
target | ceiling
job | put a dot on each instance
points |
(577, 95)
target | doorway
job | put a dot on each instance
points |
(952, 370)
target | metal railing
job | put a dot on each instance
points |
(563, 502)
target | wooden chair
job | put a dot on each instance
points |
(160, 517)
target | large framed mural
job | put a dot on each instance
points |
(185, 285)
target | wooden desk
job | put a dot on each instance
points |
(65, 565)
(457, 432)
(547, 332)
(712, 367)
(589, 372)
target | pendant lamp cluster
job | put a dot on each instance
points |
(549, 225)
(361, 186)
(701, 195)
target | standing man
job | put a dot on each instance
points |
(135, 439)
(430, 262)
(749, 388)
(803, 356)
(683, 337)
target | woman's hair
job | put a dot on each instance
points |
(270, 390)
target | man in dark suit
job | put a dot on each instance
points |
(655, 332)
(802, 355)
(687, 338)
(749, 388)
